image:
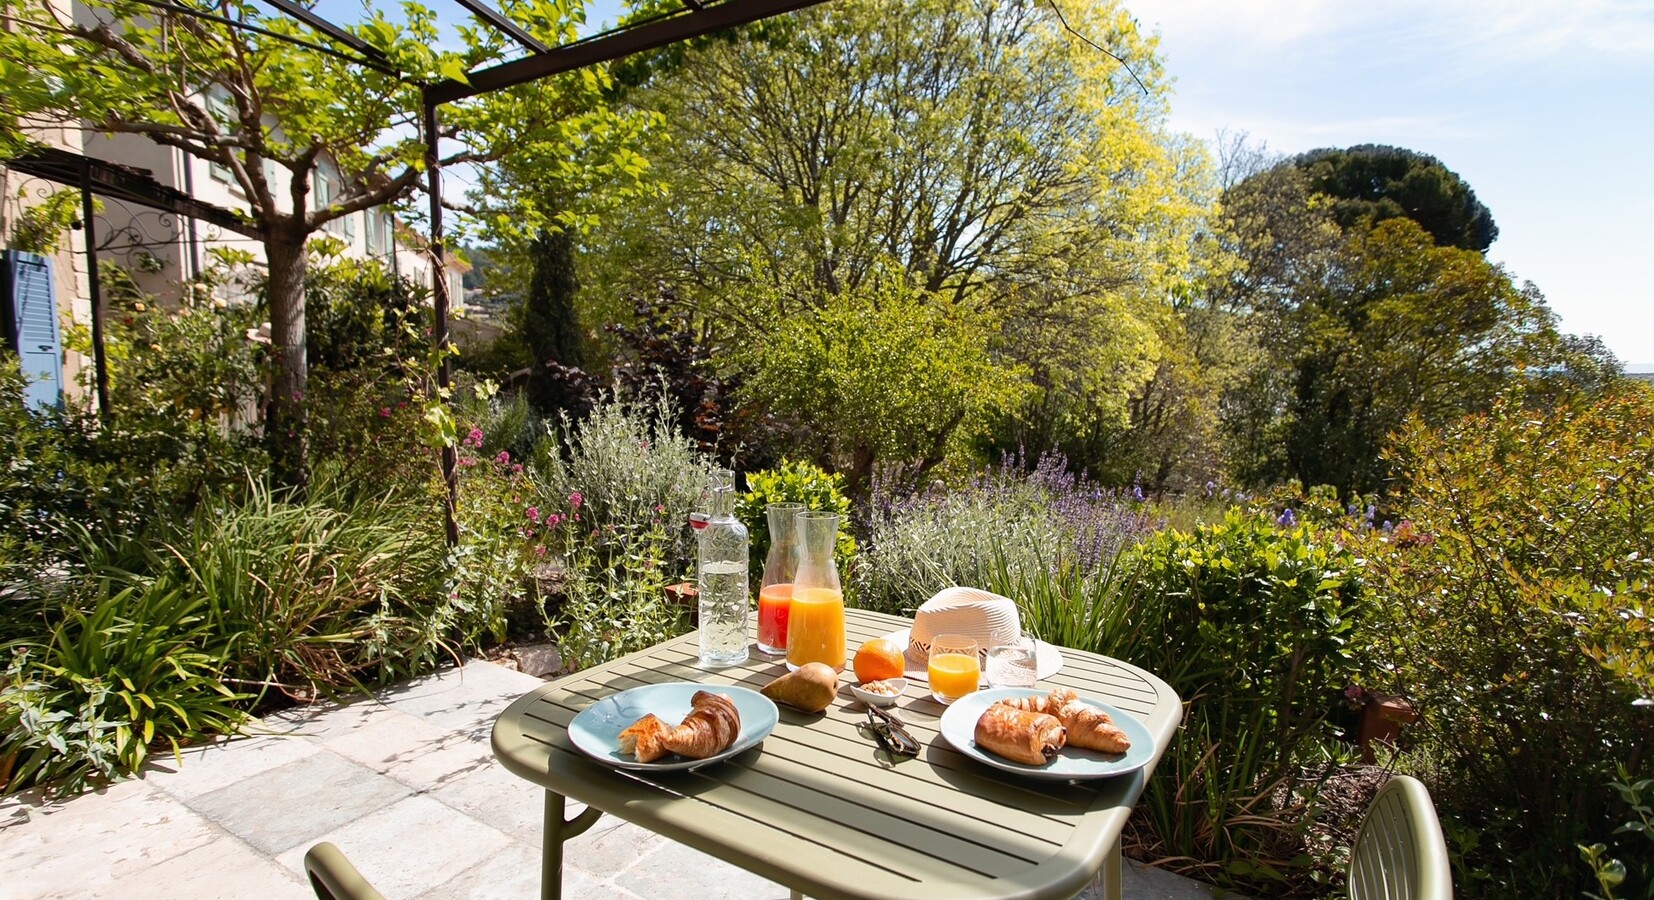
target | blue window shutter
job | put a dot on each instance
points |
(32, 298)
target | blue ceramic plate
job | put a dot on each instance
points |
(596, 729)
(959, 728)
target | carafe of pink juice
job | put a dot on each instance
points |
(775, 597)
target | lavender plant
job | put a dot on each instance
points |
(1010, 522)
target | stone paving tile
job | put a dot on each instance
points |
(324, 721)
(295, 803)
(514, 874)
(226, 869)
(414, 751)
(677, 872)
(465, 698)
(92, 843)
(502, 800)
(222, 763)
(408, 847)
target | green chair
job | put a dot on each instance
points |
(1400, 853)
(334, 878)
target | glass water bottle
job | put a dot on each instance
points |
(722, 579)
(775, 596)
(815, 625)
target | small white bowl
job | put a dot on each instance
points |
(872, 699)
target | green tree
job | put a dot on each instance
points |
(885, 374)
(550, 324)
(275, 116)
(1371, 182)
(999, 160)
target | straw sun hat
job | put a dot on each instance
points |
(989, 619)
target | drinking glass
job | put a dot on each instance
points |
(954, 668)
(1014, 663)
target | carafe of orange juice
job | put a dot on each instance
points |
(775, 598)
(815, 623)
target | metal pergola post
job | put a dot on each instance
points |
(100, 364)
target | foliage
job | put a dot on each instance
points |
(1360, 329)
(318, 595)
(794, 482)
(614, 608)
(1516, 619)
(308, 138)
(503, 536)
(629, 465)
(86, 702)
(1023, 182)
(1609, 871)
(1370, 183)
(40, 226)
(1005, 524)
(550, 324)
(889, 375)
(1252, 623)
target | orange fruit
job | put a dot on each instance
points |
(877, 660)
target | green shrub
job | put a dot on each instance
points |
(794, 482)
(86, 702)
(615, 600)
(311, 596)
(1516, 603)
(1250, 622)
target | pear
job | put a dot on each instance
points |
(811, 688)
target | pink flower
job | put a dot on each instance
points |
(467, 461)
(660, 507)
(534, 513)
(503, 459)
(474, 439)
(540, 550)
(384, 412)
(575, 499)
(517, 469)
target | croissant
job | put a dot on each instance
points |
(711, 726)
(643, 739)
(1019, 735)
(1089, 728)
(1027, 704)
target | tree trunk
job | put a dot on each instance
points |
(285, 425)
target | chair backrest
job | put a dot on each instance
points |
(334, 878)
(1400, 853)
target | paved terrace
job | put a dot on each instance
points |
(404, 784)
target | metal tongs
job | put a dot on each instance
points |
(888, 729)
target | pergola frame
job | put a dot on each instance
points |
(695, 19)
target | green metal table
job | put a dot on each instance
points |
(819, 808)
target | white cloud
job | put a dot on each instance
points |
(1496, 32)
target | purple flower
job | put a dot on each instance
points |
(1288, 518)
(575, 499)
(1137, 493)
(1388, 527)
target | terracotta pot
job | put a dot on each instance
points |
(1382, 720)
(686, 595)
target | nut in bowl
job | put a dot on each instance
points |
(880, 693)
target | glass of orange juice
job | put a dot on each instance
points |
(955, 669)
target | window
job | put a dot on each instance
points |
(381, 234)
(223, 113)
